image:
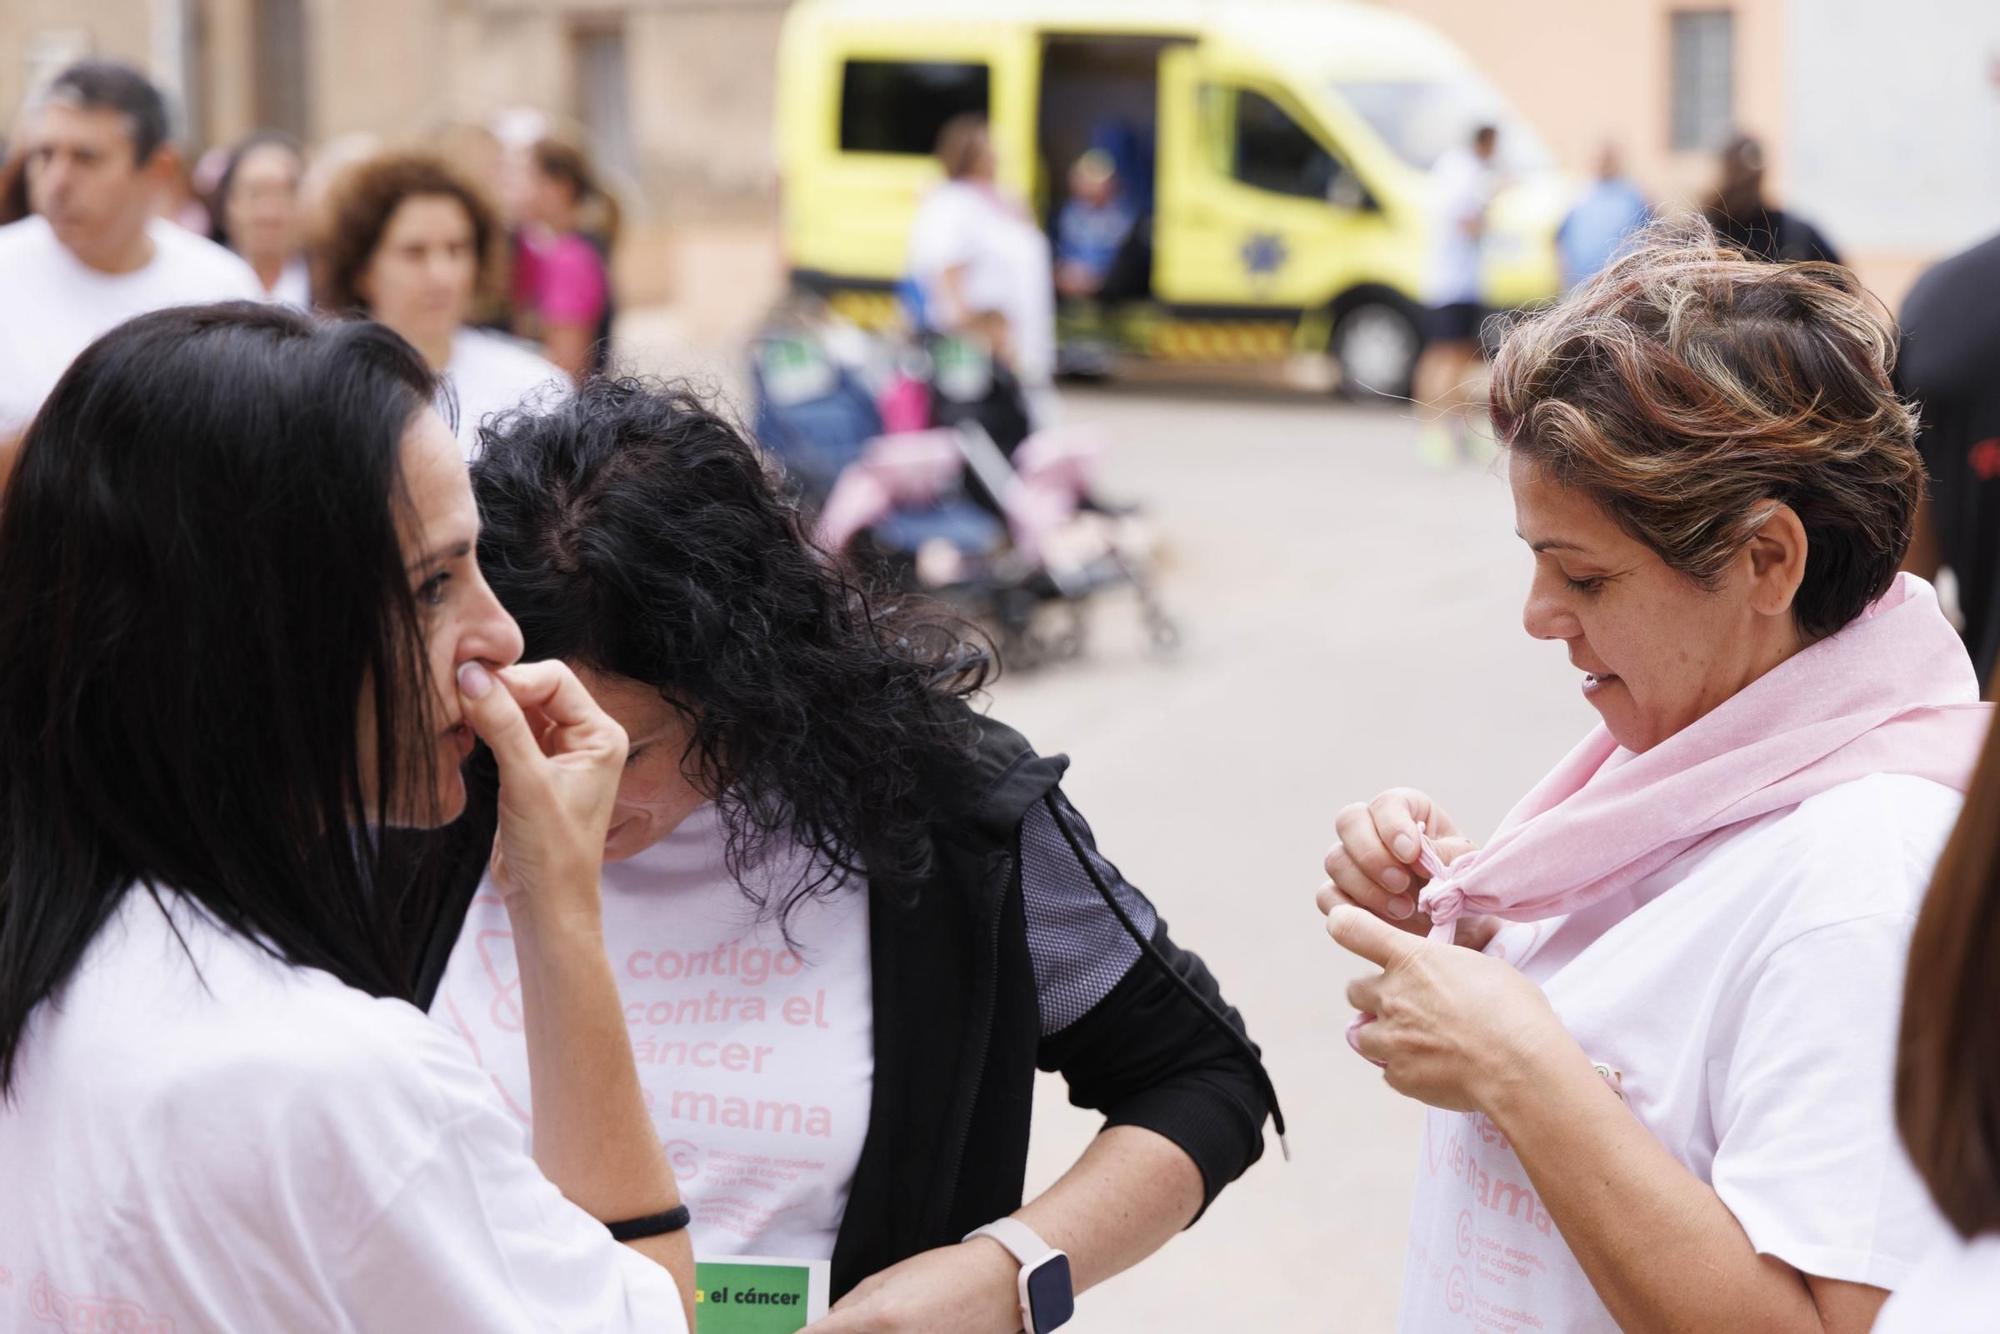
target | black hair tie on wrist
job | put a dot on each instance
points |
(653, 1225)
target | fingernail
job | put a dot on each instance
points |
(1406, 846)
(1400, 908)
(1395, 880)
(1354, 1027)
(474, 680)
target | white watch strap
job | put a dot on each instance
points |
(1021, 1241)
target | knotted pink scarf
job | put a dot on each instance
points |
(1892, 693)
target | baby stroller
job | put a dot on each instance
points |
(891, 449)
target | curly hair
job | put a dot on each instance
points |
(357, 211)
(1689, 391)
(632, 530)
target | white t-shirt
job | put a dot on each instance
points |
(1744, 1002)
(1956, 1291)
(259, 1147)
(1007, 269)
(294, 285)
(758, 1063)
(53, 305)
(490, 373)
(1463, 186)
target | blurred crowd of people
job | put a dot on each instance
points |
(1599, 225)
(490, 251)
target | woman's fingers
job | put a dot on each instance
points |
(1329, 897)
(1369, 1040)
(1397, 815)
(549, 691)
(1365, 994)
(496, 716)
(1367, 935)
(1355, 886)
(1361, 844)
(1451, 849)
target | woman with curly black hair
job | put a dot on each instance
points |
(849, 916)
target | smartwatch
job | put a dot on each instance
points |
(1047, 1298)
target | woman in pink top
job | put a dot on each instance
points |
(562, 288)
(1655, 1020)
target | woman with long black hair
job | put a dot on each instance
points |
(849, 916)
(245, 637)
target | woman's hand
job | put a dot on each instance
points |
(1374, 865)
(1452, 1027)
(970, 1288)
(560, 758)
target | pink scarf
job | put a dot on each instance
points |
(1892, 693)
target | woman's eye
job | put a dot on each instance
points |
(632, 755)
(1585, 586)
(431, 591)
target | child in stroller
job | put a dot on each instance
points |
(918, 458)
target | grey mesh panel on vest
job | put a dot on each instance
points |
(1076, 944)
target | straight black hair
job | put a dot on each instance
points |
(200, 583)
(110, 85)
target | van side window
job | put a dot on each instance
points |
(1271, 151)
(898, 106)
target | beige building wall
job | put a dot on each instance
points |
(1591, 72)
(38, 36)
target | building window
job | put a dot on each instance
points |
(1704, 77)
(889, 106)
(281, 81)
(602, 98)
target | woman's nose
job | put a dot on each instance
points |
(494, 637)
(1544, 616)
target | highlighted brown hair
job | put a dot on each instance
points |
(359, 205)
(1689, 391)
(1948, 1062)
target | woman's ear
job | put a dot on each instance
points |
(1777, 556)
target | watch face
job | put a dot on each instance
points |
(1051, 1299)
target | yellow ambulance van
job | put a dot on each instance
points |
(1277, 152)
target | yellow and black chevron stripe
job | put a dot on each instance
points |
(1220, 340)
(875, 311)
(1164, 339)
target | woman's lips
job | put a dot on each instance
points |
(1594, 682)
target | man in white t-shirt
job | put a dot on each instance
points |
(94, 255)
(1462, 183)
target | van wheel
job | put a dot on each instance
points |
(1375, 343)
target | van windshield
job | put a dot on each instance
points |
(1420, 118)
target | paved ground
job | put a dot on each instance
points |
(1353, 624)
